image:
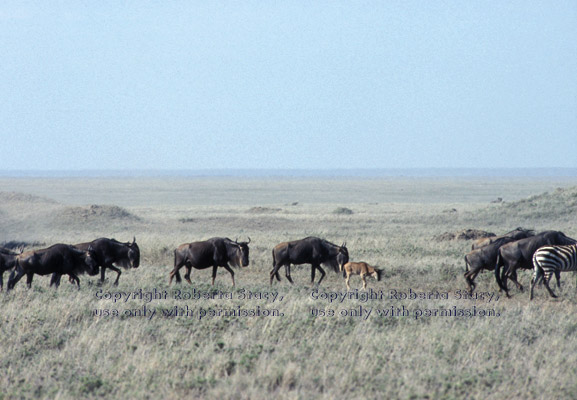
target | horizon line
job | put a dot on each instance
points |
(297, 172)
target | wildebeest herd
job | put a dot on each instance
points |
(72, 260)
(547, 253)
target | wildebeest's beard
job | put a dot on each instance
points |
(339, 256)
(342, 257)
(131, 259)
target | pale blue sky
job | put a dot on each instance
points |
(291, 84)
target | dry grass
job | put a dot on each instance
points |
(54, 347)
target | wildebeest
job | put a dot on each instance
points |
(310, 250)
(483, 258)
(110, 251)
(360, 268)
(58, 259)
(519, 254)
(516, 234)
(7, 262)
(215, 252)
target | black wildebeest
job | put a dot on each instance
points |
(215, 252)
(310, 250)
(110, 251)
(7, 262)
(58, 259)
(519, 254)
(483, 258)
(516, 234)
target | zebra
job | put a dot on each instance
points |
(552, 259)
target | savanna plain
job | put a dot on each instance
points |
(57, 344)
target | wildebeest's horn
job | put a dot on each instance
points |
(248, 240)
(133, 239)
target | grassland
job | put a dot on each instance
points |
(53, 346)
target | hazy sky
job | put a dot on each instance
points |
(287, 84)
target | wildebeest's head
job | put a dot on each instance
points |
(90, 263)
(133, 253)
(238, 253)
(377, 273)
(342, 256)
(243, 246)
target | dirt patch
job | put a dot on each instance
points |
(473, 234)
(16, 245)
(467, 234)
(263, 210)
(17, 197)
(444, 237)
(96, 212)
(343, 211)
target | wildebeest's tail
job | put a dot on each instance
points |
(379, 273)
(466, 264)
(498, 265)
(176, 270)
(277, 275)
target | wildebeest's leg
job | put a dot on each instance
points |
(322, 272)
(274, 272)
(187, 273)
(112, 267)
(102, 273)
(29, 276)
(313, 272)
(364, 281)
(287, 269)
(214, 274)
(469, 281)
(504, 275)
(55, 279)
(513, 277)
(175, 272)
(470, 278)
(74, 278)
(15, 276)
(179, 261)
(231, 272)
(347, 281)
